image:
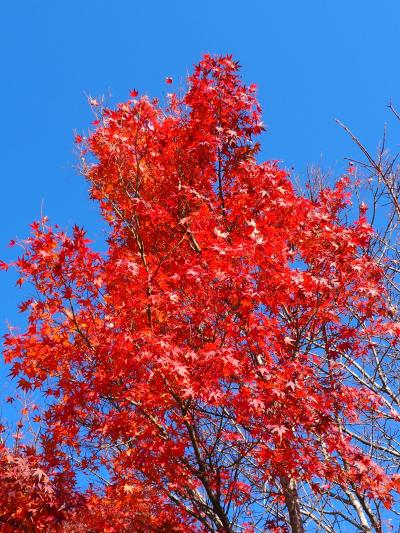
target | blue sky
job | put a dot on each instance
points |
(312, 60)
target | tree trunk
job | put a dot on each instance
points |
(292, 504)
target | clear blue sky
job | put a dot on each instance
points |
(313, 60)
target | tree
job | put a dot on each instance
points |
(377, 183)
(29, 500)
(196, 370)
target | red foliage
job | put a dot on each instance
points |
(29, 500)
(32, 502)
(211, 332)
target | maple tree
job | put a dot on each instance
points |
(196, 370)
(377, 182)
(29, 499)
